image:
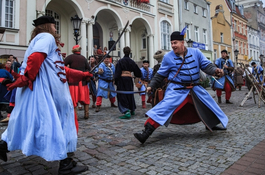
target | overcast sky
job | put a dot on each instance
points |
(263, 3)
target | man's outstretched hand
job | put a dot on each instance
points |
(219, 72)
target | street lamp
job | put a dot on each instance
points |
(76, 25)
(236, 54)
(189, 42)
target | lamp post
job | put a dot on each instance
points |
(76, 25)
(189, 42)
(236, 54)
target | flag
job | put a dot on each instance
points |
(246, 57)
(183, 32)
(250, 59)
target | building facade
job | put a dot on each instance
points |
(222, 38)
(150, 25)
(195, 14)
(253, 44)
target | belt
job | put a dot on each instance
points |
(126, 74)
(185, 85)
(106, 80)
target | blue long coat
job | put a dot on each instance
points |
(108, 74)
(194, 61)
(258, 76)
(220, 64)
(146, 76)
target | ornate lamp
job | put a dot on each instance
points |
(76, 25)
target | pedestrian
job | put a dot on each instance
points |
(105, 50)
(42, 122)
(92, 83)
(257, 72)
(185, 101)
(95, 49)
(99, 51)
(159, 57)
(124, 82)
(227, 82)
(15, 64)
(106, 73)
(79, 90)
(239, 77)
(249, 73)
(146, 77)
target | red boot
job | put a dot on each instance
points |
(143, 104)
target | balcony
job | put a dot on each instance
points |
(252, 46)
(165, 8)
(132, 4)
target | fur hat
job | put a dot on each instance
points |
(159, 55)
(76, 48)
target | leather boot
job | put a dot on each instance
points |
(76, 112)
(219, 100)
(142, 137)
(93, 106)
(3, 150)
(143, 104)
(113, 105)
(69, 166)
(97, 109)
(228, 102)
(86, 111)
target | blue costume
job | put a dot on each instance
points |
(146, 77)
(3, 90)
(220, 62)
(42, 122)
(105, 80)
(257, 72)
(207, 109)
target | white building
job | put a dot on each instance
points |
(150, 25)
(253, 44)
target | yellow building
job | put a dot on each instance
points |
(221, 32)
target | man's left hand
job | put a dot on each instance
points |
(219, 72)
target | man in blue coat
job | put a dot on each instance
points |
(227, 82)
(185, 101)
(257, 71)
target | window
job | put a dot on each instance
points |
(7, 13)
(240, 47)
(235, 25)
(204, 12)
(165, 35)
(205, 36)
(196, 29)
(215, 54)
(222, 37)
(237, 45)
(244, 45)
(187, 31)
(143, 41)
(165, 1)
(195, 8)
(56, 18)
(186, 5)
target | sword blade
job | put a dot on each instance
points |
(122, 92)
(217, 81)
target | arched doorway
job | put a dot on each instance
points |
(64, 26)
(107, 28)
(141, 41)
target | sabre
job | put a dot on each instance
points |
(111, 47)
(122, 92)
(217, 80)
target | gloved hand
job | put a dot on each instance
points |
(87, 75)
(20, 82)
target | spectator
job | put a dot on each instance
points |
(15, 64)
(95, 49)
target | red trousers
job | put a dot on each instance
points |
(99, 100)
(228, 91)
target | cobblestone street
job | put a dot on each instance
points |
(107, 145)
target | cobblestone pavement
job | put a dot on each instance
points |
(107, 145)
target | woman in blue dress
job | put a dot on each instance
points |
(42, 122)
